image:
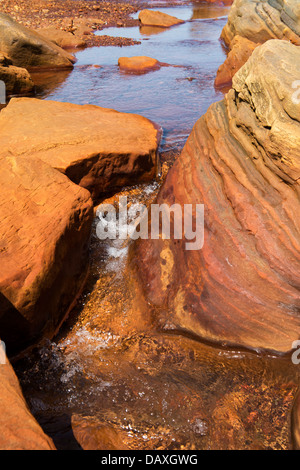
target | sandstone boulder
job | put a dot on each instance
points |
(139, 64)
(19, 430)
(16, 79)
(29, 49)
(262, 20)
(97, 148)
(157, 18)
(240, 51)
(45, 223)
(242, 161)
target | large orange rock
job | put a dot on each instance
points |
(157, 18)
(242, 161)
(240, 51)
(97, 148)
(45, 223)
(29, 49)
(139, 64)
(19, 430)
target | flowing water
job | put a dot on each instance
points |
(111, 378)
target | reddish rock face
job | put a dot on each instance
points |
(242, 162)
(45, 223)
(241, 50)
(97, 148)
(140, 64)
(19, 430)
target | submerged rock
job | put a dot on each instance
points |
(29, 49)
(157, 18)
(139, 64)
(19, 430)
(242, 162)
(97, 148)
(45, 223)
(17, 80)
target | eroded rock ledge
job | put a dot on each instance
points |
(242, 161)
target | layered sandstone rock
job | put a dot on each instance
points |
(157, 18)
(45, 223)
(97, 148)
(251, 23)
(240, 51)
(261, 20)
(19, 430)
(16, 79)
(29, 49)
(242, 162)
(139, 64)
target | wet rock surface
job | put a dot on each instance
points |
(97, 148)
(242, 162)
(45, 228)
(139, 64)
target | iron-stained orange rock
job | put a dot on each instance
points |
(138, 64)
(97, 148)
(157, 18)
(45, 223)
